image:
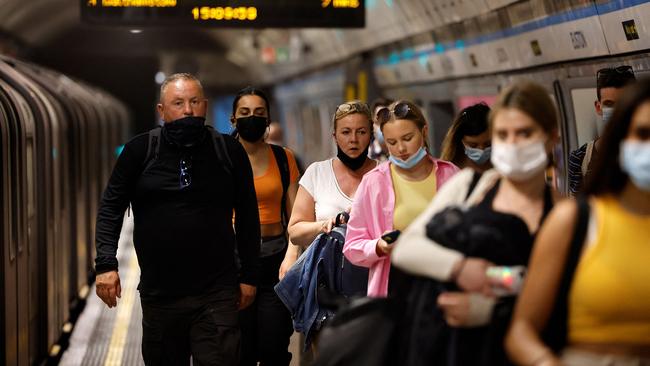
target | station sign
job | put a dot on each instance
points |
(226, 13)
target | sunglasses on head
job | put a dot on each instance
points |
(351, 107)
(624, 70)
(185, 172)
(400, 111)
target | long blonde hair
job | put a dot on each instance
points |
(414, 115)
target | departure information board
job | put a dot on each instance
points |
(226, 13)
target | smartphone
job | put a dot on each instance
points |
(391, 237)
(506, 280)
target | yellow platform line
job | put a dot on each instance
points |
(123, 317)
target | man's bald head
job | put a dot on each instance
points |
(181, 95)
(178, 76)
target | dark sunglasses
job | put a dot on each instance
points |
(351, 107)
(185, 170)
(624, 70)
(401, 110)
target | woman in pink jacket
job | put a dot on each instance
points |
(393, 194)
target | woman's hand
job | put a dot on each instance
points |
(326, 226)
(290, 258)
(382, 247)
(455, 305)
(471, 275)
(466, 309)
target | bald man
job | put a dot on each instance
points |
(183, 197)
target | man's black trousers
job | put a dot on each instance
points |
(205, 327)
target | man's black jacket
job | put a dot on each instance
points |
(183, 236)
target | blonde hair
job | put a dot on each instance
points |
(414, 115)
(531, 99)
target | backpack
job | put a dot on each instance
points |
(218, 142)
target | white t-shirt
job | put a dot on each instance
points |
(319, 180)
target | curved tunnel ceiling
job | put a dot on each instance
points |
(226, 57)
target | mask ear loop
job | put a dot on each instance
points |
(267, 132)
(233, 127)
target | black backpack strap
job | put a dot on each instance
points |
(153, 147)
(221, 149)
(557, 330)
(472, 184)
(285, 175)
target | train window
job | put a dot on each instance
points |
(588, 125)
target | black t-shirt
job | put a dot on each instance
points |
(183, 236)
(504, 239)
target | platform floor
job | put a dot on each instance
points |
(112, 337)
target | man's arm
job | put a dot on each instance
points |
(115, 201)
(247, 222)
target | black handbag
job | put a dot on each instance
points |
(447, 227)
(360, 334)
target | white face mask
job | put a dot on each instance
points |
(519, 161)
(607, 114)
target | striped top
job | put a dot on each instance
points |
(575, 169)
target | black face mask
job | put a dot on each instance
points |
(186, 131)
(252, 128)
(352, 163)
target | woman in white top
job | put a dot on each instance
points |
(327, 187)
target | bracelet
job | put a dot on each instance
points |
(541, 358)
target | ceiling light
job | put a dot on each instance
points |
(136, 31)
(160, 77)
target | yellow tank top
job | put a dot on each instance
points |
(411, 198)
(610, 296)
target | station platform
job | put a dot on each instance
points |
(113, 337)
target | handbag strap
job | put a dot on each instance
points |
(476, 176)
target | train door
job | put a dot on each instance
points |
(22, 232)
(10, 195)
(47, 260)
(93, 150)
(579, 122)
(440, 116)
(80, 174)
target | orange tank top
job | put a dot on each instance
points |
(268, 188)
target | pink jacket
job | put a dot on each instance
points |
(372, 215)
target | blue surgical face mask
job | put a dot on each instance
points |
(607, 114)
(634, 159)
(477, 155)
(410, 162)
